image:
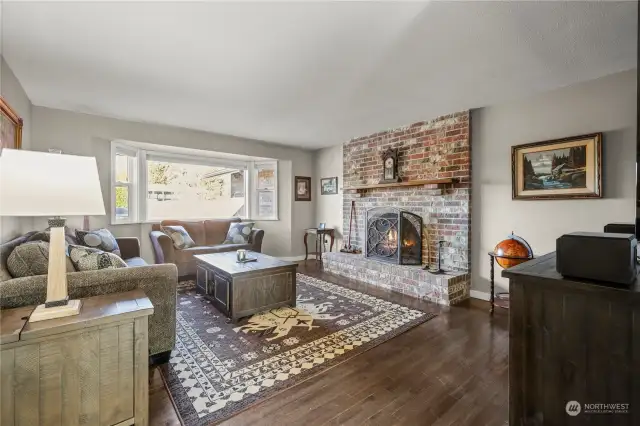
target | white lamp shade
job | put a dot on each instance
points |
(44, 184)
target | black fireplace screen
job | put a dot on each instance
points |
(394, 235)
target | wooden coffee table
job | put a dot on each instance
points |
(242, 289)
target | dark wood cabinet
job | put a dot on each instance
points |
(201, 279)
(221, 290)
(571, 341)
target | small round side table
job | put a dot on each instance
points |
(503, 298)
(320, 241)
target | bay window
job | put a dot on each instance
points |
(152, 185)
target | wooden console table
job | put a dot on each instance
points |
(320, 234)
(90, 368)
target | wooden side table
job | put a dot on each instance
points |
(320, 241)
(90, 368)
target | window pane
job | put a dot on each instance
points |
(122, 168)
(237, 184)
(238, 190)
(122, 202)
(192, 191)
(266, 204)
(266, 177)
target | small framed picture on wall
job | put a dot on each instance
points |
(329, 186)
(302, 188)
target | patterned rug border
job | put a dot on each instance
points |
(182, 404)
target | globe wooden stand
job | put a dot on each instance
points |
(502, 301)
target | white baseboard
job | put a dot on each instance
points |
(293, 258)
(480, 295)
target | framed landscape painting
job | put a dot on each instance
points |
(10, 127)
(558, 169)
(329, 186)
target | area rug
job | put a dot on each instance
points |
(218, 369)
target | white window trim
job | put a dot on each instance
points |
(256, 193)
(138, 185)
(132, 185)
(143, 185)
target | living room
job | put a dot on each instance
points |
(313, 209)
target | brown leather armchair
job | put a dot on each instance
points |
(208, 236)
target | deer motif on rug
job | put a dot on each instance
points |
(280, 321)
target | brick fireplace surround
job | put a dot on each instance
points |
(438, 148)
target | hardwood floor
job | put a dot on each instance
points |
(452, 370)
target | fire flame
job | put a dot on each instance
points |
(392, 239)
(408, 243)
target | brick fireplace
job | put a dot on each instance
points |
(434, 149)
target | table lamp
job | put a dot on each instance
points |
(47, 184)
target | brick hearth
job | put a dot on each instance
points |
(446, 289)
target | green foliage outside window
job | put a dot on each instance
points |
(122, 200)
(160, 173)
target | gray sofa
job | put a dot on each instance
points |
(157, 281)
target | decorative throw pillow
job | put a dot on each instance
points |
(40, 236)
(90, 259)
(69, 235)
(239, 233)
(180, 236)
(31, 258)
(46, 236)
(101, 239)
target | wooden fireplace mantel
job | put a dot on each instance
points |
(362, 188)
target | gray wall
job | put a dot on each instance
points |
(90, 135)
(328, 163)
(12, 91)
(605, 105)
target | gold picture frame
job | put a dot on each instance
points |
(558, 169)
(10, 127)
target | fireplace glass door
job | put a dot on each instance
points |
(394, 235)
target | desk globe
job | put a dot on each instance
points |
(512, 251)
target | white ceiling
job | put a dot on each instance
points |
(307, 74)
